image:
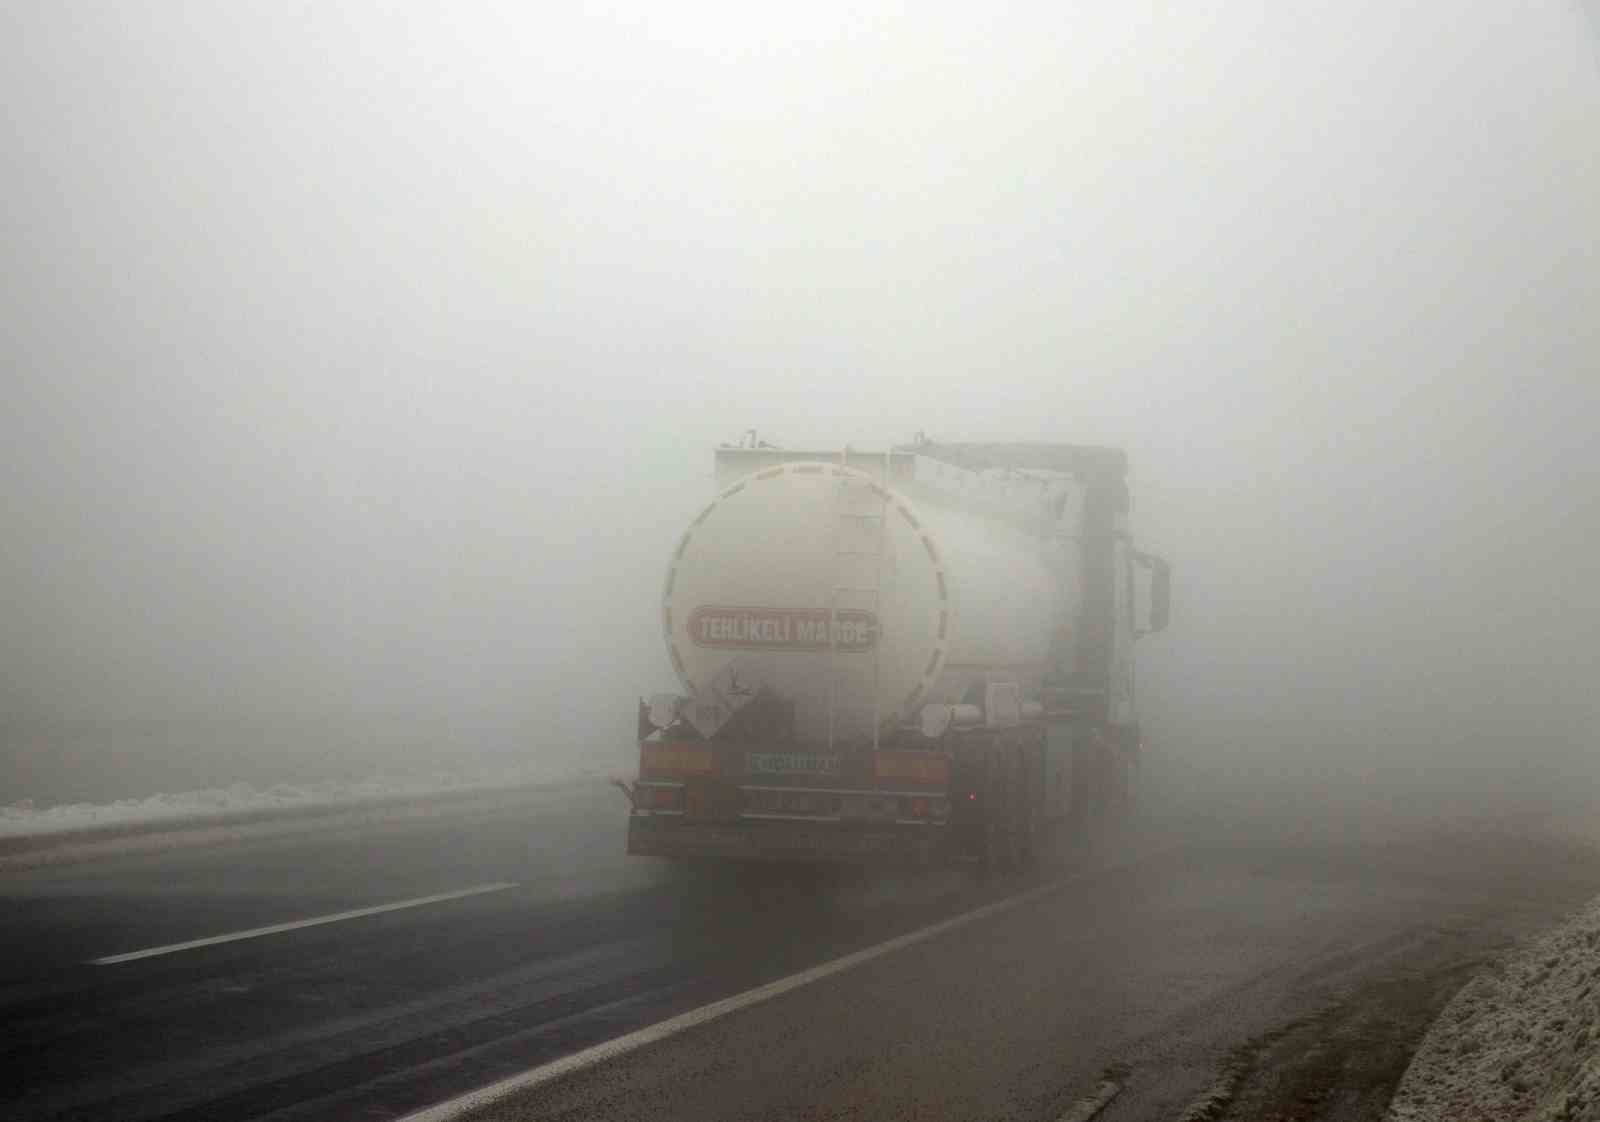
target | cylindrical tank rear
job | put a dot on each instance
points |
(816, 586)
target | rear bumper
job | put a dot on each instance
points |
(674, 836)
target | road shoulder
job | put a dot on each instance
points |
(1520, 1040)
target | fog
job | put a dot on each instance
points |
(362, 365)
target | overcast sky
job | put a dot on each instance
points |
(368, 357)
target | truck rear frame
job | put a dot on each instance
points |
(989, 794)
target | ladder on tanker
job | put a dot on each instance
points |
(860, 522)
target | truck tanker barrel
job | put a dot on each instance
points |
(924, 601)
(894, 656)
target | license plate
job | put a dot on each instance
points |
(791, 763)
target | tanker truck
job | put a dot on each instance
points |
(898, 657)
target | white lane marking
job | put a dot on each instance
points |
(1090, 1105)
(295, 925)
(458, 1107)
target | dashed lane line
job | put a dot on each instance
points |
(297, 924)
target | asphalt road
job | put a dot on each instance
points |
(1157, 953)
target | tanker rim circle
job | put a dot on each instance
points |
(941, 641)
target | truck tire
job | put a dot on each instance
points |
(1080, 794)
(998, 851)
(1030, 774)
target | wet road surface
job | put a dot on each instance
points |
(1158, 954)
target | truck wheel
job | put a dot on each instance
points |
(1080, 784)
(1019, 806)
(989, 860)
(1023, 809)
(998, 850)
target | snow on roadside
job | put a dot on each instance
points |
(23, 819)
(1520, 1042)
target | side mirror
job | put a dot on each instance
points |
(1160, 590)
